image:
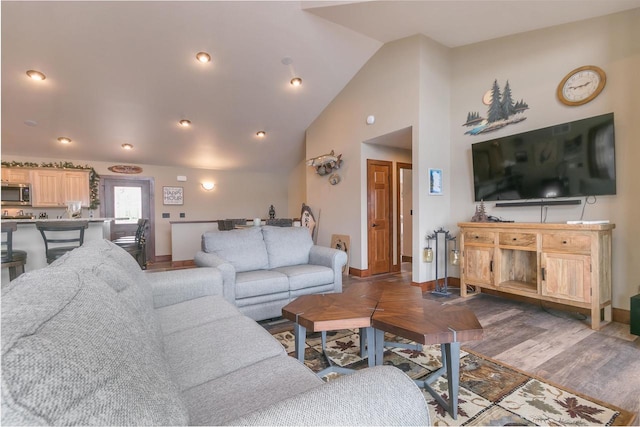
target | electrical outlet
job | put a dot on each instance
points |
(182, 215)
(166, 215)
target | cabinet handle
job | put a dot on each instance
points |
(491, 266)
(514, 239)
(542, 271)
(564, 242)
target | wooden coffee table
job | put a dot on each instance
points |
(382, 307)
(332, 312)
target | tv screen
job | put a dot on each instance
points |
(568, 160)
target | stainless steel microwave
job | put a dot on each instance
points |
(16, 194)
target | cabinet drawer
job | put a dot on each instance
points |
(524, 240)
(566, 242)
(484, 237)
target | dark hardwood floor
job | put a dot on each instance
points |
(558, 346)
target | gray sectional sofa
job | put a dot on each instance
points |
(264, 268)
(94, 340)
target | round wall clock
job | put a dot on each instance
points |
(581, 85)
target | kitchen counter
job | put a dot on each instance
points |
(27, 238)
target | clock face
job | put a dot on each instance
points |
(581, 85)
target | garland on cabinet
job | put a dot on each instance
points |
(94, 178)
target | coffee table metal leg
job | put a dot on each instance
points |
(370, 340)
(300, 334)
(450, 365)
(379, 346)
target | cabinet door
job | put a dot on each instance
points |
(566, 276)
(76, 186)
(46, 188)
(478, 265)
(18, 175)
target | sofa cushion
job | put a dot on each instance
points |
(243, 248)
(287, 245)
(261, 282)
(194, 312)
(118, 269)
(72, 353)
(307, 275)
(214, 349)
(221, 400)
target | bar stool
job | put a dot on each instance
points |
(136, 245)
(11, 258)
(59, 233)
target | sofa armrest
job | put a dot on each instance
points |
(383, 395)
(172, 287)
(228, 271)
(332, 258)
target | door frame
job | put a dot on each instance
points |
(390, 220)
(399, 167)
(151, 239)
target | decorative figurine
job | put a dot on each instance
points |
(481, 214)
(272, 212)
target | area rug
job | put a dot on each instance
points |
(491, 393)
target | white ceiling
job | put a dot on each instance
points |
(125, 72)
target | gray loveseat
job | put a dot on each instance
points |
(264, 268)
(94, 340)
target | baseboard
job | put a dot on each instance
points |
(621, 315)
(358, 273)
(395, 268)
(163, 258)
(452, 282)
(406, 258)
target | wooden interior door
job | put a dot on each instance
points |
(379, 216)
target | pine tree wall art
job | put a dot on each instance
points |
(502, 111)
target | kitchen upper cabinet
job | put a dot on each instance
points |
(54, 188)
(18, 175)
(76, 186)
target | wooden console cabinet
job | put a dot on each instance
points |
(565, 263)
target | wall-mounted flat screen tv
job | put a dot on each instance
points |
(572, 159)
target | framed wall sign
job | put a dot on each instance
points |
(435, 182)
(172, 195)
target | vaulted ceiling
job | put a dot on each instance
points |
(126, 72)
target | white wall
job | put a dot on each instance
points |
(236, 195)
(386, 87)
(534, 63)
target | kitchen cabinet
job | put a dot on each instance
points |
(18, 175)
(568, 264)
(54, 187)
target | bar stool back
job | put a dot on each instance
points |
(59, 238)
(11, 258)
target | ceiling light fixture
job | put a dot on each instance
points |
(64, 140)
(208, 186)
(296, 81)
(203, 57)
(127, 146)
(261, 134)
(185, 123)
(36, 75)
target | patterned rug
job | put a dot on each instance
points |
(490, 392)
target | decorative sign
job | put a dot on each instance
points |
(342, 242)
(172, 195)
(125, 169)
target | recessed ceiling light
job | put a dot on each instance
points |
(64, 140)
(203, 57)
(36, 75)
(261, 134)
(185, 123)
(296, 81)
(127, 146)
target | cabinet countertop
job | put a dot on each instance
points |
(33, 221)
(538, 225)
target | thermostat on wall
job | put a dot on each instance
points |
(181, 178)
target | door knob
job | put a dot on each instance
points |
(374, 225)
